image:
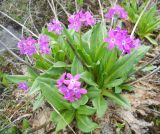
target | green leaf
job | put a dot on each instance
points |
(86, 36)
(25, 125)
(86, 110)
(100, 104)
(35, 85)
(60, 64)
(100, 52)
(146, 27)
(97, 36)
(55, 117)
(126, 63)
(38, 102)
(154, 42)
(87, 77)
(114, 83)
(53, 72)
(77, 67)
(85, 124)
(12, 130)
(34, 88)
(68, 117)
(93, 92)
(84, 56)
(42, 64)
(126, 87)
(80, 2)
(82, 101)
(117, 98)
(53, 97)
(70, 37)
(118, 90)
(111, 58)
(79, 49)
(32, 73)
(17, 78)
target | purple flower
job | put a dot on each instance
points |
(79, 91)
(43, 42)
(89, 20)
(61, 80)
(79, 19)
(72, 81)
(55, 26)
(135, 43)
(119, 38)
(118, 11)
(69, 86)
(23, 86)
(112, 39)
(124, 44)
(27, 46)
(74, 22)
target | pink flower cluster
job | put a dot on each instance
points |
(55, 26)
(118, 11)
(81, 18)
(69, 86)
(23, 86)
(28, 46)
(43, 41)
(119, 38)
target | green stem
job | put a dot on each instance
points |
(76, 54)
(80, 37)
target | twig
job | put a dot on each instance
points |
(53, 9)
(76, 4)
(18, 119)
(135, 26)
(146, 76)
(155, 111)
(100, 5)
(55, 13)
(32, 130)
(2, 50)
(24, 24)
(19, 24)
(68, 14)
(32, 17)
(112, 20)
(151, 61)
(15, 55)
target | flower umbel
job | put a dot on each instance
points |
(69, 86)
(121, 39)
(118, 11)
(81, 18)
(23, 86)
(74, 22)
(27, 46)
(55, 26)
(43, 42)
